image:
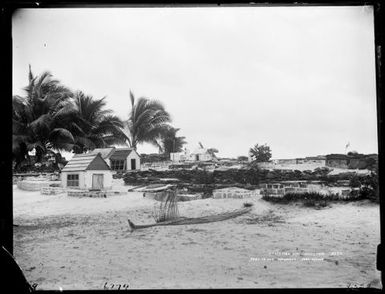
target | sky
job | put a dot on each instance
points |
(299, 79)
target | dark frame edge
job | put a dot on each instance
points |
(7, 9)
(379, 42)
(6, 209)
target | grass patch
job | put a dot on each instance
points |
(269, 218)
(312, 199)
(247, 204)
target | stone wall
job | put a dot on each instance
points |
(341, 192)
(52, 190)
(233, 193)
(189, 197)
(158, 165)
(281, 192)
(93, 194)
(34, 185)
(160, 196)
(337, 163)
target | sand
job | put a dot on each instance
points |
(83, 243)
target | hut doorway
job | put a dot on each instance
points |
(133, 164)
(97, 181)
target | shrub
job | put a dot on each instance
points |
(309, 203)
(205, 177)
(355, 182)
(315, 203)
(368, 187)
(242, 158)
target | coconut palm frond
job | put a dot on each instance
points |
(65, 109)
(132, 98)
(61, 134)
(17, 139)
(62, 146)
(113, 139)
(35, 145)
(75, 129)
(18, 100)
(151, 133)
(146, 120)
(30, 74)
(113, 119)
(40, 117)
(42, 122)
(83, 141)
(98, 141)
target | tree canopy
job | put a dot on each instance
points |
(260, 153)
(51, 117)
(170, 142)
(93, 125)
(147, 121)
(37, 117)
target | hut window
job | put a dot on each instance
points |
(117, 164)
(73, 180)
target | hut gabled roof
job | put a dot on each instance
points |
(105, 152)
(121, 153)
(83, 162)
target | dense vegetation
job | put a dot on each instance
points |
(311, 199)
(246, 176)
(170, 142)
(367, 186)
(250, 178)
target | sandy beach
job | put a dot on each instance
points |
(84, 243)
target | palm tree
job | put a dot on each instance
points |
(147, 121)
(94, 126)
(37, 117)
(170, 142)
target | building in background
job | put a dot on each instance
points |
(200, 154)
(120, 159)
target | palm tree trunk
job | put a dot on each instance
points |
(39, 154)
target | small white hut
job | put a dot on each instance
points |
(87, 171)
(180, 156)
(201, 154)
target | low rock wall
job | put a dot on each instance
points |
(52, 190)
(93, 194)
(231, 193)
(34, 185)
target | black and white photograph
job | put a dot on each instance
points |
(195, 147)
